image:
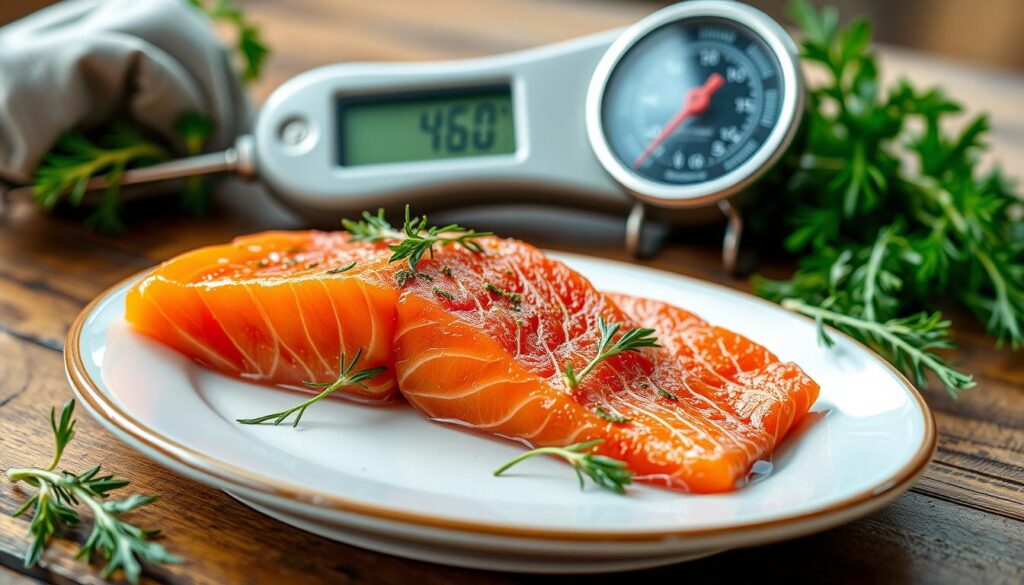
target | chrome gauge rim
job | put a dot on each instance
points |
(778, 141)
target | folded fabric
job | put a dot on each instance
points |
(82, 62)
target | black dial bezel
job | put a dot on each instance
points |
(663, 194)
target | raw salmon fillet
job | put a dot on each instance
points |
(276, 308)
(738, 374)
(482, 343)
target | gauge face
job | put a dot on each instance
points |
(691, 101)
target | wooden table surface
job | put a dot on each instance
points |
(962, 522)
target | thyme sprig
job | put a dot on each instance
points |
(632, 340)
(611, 474)
(907, 342)
(415, 238)
(121, 544)
(345, 378)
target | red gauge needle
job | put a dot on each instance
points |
(696, 101)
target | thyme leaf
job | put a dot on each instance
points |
(610, 416)
(513, 297)
(340, 269)
(632, 340)
(415, 238)
(346, 377)
(610, 474)
(122, 545)
(666, 394)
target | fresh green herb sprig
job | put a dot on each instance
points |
(611, 474)
(416, 239)
(632, 340)
(122, 545)
(908, 342)
(249, 45)
(345, 378)
(891, 212)
(341, 269)
(66, 170)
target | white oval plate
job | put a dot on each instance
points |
(384, 478)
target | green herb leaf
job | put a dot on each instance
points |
(632, 340)
(340, 269)
(346, 378)
(611, 474)
(513, 297)
(609, 416)
(891, 211)
(195, 130)
(666, 394)
(63, 431)
(444, 293)
(123, 545)
(249, 44)
(415, 239)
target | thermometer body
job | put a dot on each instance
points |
(300, 133)
(672, 116)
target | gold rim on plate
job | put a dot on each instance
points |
(112, 415)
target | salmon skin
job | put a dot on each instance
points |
(277, 308)
(483, 340)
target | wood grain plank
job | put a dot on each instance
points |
(968, 487)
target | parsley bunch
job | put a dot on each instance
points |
(892, 213)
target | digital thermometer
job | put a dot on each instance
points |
(682, 110)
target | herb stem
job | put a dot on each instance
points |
(874, 267)
(894, 334)
(610, 474)
(539, 451)
(345, 378)
(23, 473)
(121, 544)
(632, 340)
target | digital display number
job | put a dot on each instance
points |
(425, 126)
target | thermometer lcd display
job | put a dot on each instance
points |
(425, 126)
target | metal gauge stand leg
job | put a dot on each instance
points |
(733, 235)
(635, 230)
